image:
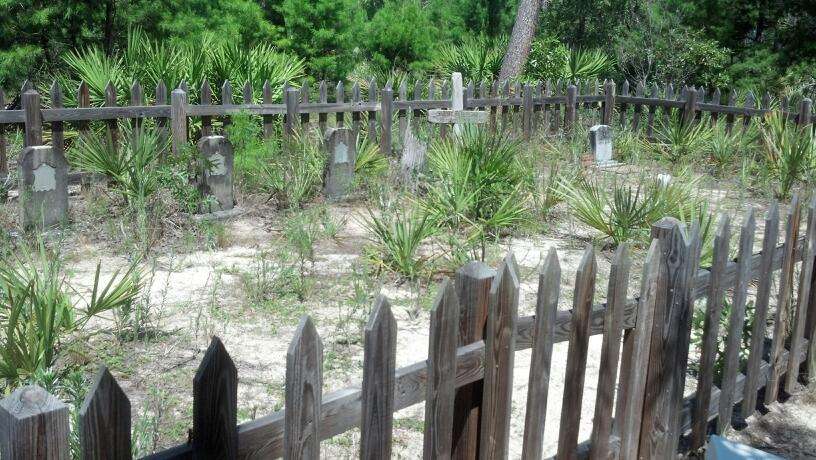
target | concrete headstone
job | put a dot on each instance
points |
(43, 187)
(600, 141)
(216, 173)
(342, 155)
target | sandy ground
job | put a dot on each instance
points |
(196, 294)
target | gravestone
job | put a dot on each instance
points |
(413, 155)
(43, 187)
(342, 152)
(216, 179)
(600, 142)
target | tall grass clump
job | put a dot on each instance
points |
(38, 317)
(476, 183)
(676, 141)
(790, 152)
(397, 236)
(726, 149)
(476, 58)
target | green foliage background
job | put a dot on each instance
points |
(741, 44)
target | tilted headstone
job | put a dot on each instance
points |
(600, 141)
(342, 154)
(457, 115)
(43, 187)
(412, 160)
(216, 179)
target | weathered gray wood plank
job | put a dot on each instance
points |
(215, 405)
(379, 358)
(104, 420)
(304, 391)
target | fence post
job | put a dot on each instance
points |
(804, 112)
(113, 125)
(527, 115)
(386, 107)
(609, 102)
(670, 340)
(690, 107)
(34, 425)
(178, 120)
(569, 107)
(292, 104)
(473, 290)
(33, 118)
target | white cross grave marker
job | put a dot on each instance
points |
(457, 115)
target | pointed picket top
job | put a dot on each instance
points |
(549, 279)
(136, 93)
(548, 87)
(303, 393)
(417, 89)
(372, 89)
(389, 84)
(266, 90)
(226, 93)
(161, 92)
(670, 91)
(716, 98)
(56, 94)
(184, 86)
(403, 90)
(304, 91)
(750, 100)
(379, 361)
(766, 100)
(431, 88)
(339, 92)
(322, 92)
(586, 268)
(246, 92)
(110, 94)
(732, 97)
(441, 365)
(445, 91)
(105, 418)
(355, 92)
(702, 93)
(625, 88)
(215, 403)
(205, 92)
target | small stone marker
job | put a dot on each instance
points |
(457, 115)
(44, 187)
(216, 176)
(413, 155)
(600, 141)
(342, 151)
(664, 179)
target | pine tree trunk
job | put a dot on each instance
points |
(518, 49)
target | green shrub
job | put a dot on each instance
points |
(584, 64)
(725, 149)
(38, 317)
(790, 152)
(398, 234)
(548, 59)
(400, 35)
(675, 141)
(477, 59)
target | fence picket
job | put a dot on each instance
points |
(729, 118)
(577, 356)
(340, 97)
(292, 103)
(608, 107)
(372, 115)
(305, 120)
(783, 298)
(161, 122)
(610, 352)
(386, 120)
(3, 146)
(736, 322)
(711, 330)
(402, 114)
(569, 108)
(379, 359)
(226, 100)
(549, 285)
(57, 134)
(104, 420)
(355, 116)
(765, 277)
(806, 275)
(440, 392)
(304, 392)
(500, 340)
(215, 405)
(650, 119)
(113, 125)
(473, 291)
(34, 425)
(652, 294)
(30, 102)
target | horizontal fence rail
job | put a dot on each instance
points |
(544, 107)
(466, 382)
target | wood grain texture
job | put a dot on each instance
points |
(783, 299)
(205, 95)
(711, 331)
(113, 125)
(30, 101)
(104, 420)
(34, 426)
(577, 356)
(736, 322)
(473, 290)
(499, 353)
(652, 294)
(57, 134)
(549, 286)
(215, 405)
(441, 372)
(805, 278)
(764, 274)
(610, 352)
(304, 391)
(379, 359)
(178, 121)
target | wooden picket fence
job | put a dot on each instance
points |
(467, 380)
(544, 107)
